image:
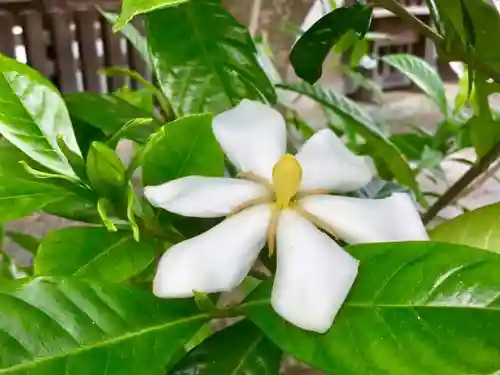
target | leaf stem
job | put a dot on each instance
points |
(456, 189)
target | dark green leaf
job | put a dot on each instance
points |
(74, 207)
(94, 253)
(33, 114)
(411, 144)
(366, 127)
(109, 113)
(214, 67)
(310, 51)
(484, 132)
(485, 24)
(182, 148)
(422, 75)
(75, 160)
(53, 326)
(24, 240)
(241, 349)
(132, 8)
(133, 36)
(105, 171)
(479, 228)
(416, 308)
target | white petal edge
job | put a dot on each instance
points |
(206, 197)
(313, 277)
(215, 261)
(253, 136)
(358, 220)
(328, 164)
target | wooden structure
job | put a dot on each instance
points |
(68, 41)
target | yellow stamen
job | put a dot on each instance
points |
(287, 174)
(248, 204)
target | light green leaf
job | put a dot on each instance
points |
(214, 67)
(133, 36)
(380, 145)
(33, 114)
(241, 349)
(55, 326)
(416, 308)
(106, 172)
(109, 113)
(422, 75)
(132, 8)
(184, 147)
(21, 197)
(94, 253)
(479, 228)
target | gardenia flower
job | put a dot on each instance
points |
(281, 199)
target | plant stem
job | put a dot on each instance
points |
(399, 10)
(456, 189)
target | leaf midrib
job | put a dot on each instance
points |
(267, 302)
(111, 341)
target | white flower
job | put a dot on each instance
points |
(282, 199)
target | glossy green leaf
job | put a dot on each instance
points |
(364, 125)
(133, 35)
(185, 147)
(105, 171)
(241, 349)
(423, 75)
(479, 228)
(132, 8)
(55, 326)
(485, 26)
(26, 241)
(310, 51)
(109, 113)
(416, 308)
(20, 197)
(74, 207)
(33, 114)
(142, 98)
(94, 253)
(214, 67)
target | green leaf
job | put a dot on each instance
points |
(214, 67)
(21, 197)
(58, 326)
(310, 51)
(133, 36)
(75, 160)
(241, 349)
(103, 206)
(109, 113)
(33, 114)
(377, 189)
(422, 75)
(366, 127)
(142, 98)
(94, 253)
(416, 308)
(484, 21)
(411, 144)
(106, 172)
(132, 8)
(479, 228)
(24, 240)
(74, 207)
(184, 147)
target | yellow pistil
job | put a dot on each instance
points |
(287, 174)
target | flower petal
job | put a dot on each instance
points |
(328, 164)
(253, 136)
(217, 260)
(314, 274)
(206, 197)
(358, 220)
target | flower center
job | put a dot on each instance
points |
(287, 174)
